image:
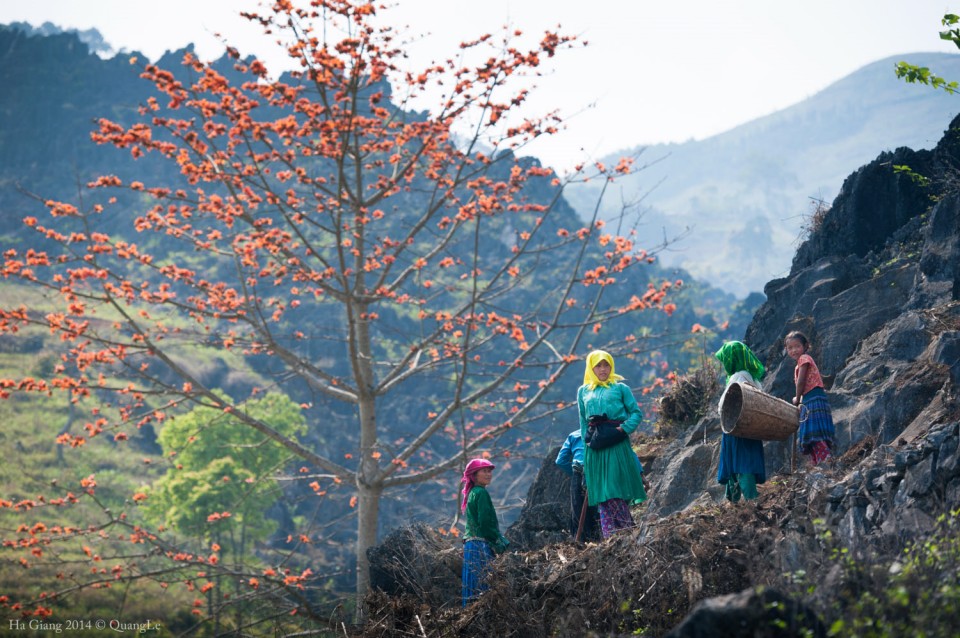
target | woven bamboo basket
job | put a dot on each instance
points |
(752, 414)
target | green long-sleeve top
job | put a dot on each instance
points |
(616, 401)
(481, 516)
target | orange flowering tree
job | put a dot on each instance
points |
(359, 251)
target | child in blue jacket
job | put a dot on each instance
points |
(570, 460)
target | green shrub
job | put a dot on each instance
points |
(917, 595)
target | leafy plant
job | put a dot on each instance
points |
(921, 74)
(916, 595)
(915, 177)
(222, 468)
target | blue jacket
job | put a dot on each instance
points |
(571, 453)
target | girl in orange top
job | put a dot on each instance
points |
(816, 420)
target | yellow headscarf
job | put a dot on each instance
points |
(590, 379)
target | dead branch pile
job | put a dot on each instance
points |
(645, 580)
(688, 400)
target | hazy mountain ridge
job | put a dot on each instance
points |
(62, 88)
(753, 186)
(91, 37)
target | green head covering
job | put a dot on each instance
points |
(736, 356)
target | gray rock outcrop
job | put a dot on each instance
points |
(752, 613)
(875, 288)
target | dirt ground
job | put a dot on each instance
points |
(639, 582)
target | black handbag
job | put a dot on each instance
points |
(603, 433)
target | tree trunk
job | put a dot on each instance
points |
(368, 516)
(369, 481)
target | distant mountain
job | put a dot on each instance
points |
(55, 89)
(91, 37)
(748, 194)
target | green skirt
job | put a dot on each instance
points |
(613, 473)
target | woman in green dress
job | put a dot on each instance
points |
(612, 473)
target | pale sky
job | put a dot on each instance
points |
(653, 71)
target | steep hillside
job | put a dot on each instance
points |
(747, 194)
(863, 545)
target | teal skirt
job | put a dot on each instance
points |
(613, 473)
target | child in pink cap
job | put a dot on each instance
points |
(482, 538)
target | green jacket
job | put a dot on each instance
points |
(482, 519)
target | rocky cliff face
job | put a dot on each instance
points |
(876, 287)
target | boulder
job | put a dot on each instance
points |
(545, 514)
(417, 562)
(752, 613)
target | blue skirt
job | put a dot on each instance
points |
(477, 557)
(816, 420)
(740, 456)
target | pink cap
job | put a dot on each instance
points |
(467, 480)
